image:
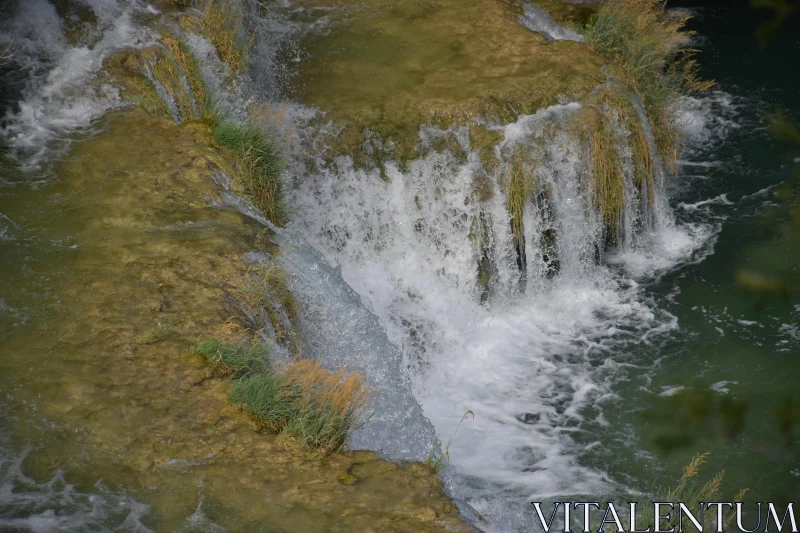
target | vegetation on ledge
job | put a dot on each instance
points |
(649, 44)
(259, 166)
(313, 408)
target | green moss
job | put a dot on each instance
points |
(483, 140)
(260, 166)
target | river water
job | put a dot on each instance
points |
(580, 385)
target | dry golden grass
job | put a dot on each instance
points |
(606, 173)
(168, 73)
(618, 102)
(520, 189)
(143, 93)
(265, 288)
(314, 409)
(343, 392)
(185, 61)
(221, 23)
(689, 492)
(648, 43)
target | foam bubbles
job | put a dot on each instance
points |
(59, 97)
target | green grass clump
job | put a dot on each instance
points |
(315, 407)
(649, 44)
(234, 359)
(260, 166)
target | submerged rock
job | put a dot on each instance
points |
(390, 67)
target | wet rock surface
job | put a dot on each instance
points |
(145, 273)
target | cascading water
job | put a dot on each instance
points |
(448, 301)
(58, 92)
(534, 361)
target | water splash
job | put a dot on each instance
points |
(54, 505)
(535, 361)
(59, 93)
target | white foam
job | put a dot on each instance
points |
(59, 98)
(722, 199)
(55, 505)
(541, 354)
(706, 120)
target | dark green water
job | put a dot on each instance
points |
(734, 360)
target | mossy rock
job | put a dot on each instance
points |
(392, 67)
(570, 13)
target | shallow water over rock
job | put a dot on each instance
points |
(113, 272)
(391, 66)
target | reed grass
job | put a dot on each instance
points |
(650, 45)
(186, 62)
(520, 190)
(608, 181)
(259, 165)
(168, 73)
(234, 359)
(221, 23)
(316, 407)
(143, 92)
(690, 492)
(265, 288)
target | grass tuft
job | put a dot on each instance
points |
(316, 407)
(154, 334)
(267, 290)
(260, 166)
(143, 92)
(650, 45)
(183, 58)
(221, 23)
(234, 359)
(520, 189)
(690, 492)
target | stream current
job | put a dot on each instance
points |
(566, 376)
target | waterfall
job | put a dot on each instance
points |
(58, 90)
(419, 272)
(531, 351)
